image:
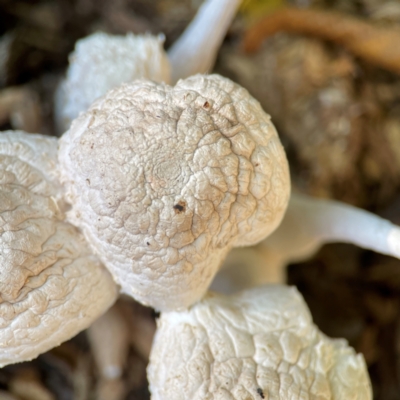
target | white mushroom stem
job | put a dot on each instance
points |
(307, 225)
(109, 339)
(246, 267)
(196, 50)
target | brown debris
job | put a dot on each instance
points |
(27, 386)
(375, 44)
(368, 344)
(6, 396)
(383, 309)
(20, 107)
(82, 377)
(5, 48)
(111, 389)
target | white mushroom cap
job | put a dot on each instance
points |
(101, 62)
(51, 286)
(165, 180)
(260, 344)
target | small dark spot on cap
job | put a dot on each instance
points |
(256, 164)
(180, 207)
(206, 104)
(148, 244)
(91, 146)
(261, 393)
(88, 181)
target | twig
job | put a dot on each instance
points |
(375, 44)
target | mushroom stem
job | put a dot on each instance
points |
(247, 267)
(310, 222)
(307, 225)
(109, 338)
(196, 50)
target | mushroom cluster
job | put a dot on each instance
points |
(146, 193)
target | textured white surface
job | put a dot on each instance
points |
(164, 181)
(51, 286)
(101, 62)
(260, 344)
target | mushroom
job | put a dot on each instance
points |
(101, 61)
(110, 327)
(51, 285)
(307, 225)
(258, 344)
(163, 181)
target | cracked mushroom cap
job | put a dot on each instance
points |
(101, 62)
(164, 180)
(260, 344)
(51, 286)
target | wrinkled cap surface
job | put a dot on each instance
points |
(51, 286)
(165, 180)
(101, 62)
(260, 344)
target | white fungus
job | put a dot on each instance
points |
(259, 344)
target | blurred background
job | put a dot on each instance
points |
(338, 115)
